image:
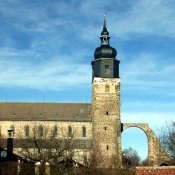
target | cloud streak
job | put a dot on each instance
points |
(53, 74)
(145, 18)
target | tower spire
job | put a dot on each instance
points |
(104, 34)
(104, 23)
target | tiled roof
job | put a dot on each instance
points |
(45, 111)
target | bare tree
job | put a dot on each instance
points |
(95, 164)
(42, 144)
(167, 139)
(145, 162)
(39, 145)
(130, 158)
(95, 157)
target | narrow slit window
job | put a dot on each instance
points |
(70, 131)
(107, 113)
(107, 147)
(84, 131)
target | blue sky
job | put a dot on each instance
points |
(46, 47)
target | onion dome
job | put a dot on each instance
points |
(105, 50)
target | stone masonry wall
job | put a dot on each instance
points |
(169, 170)
(106, 121)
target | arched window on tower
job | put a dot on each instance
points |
(84, 131)
(105, 40)
(106, 88)
(40, 131)
(70, 131)
(26, 131)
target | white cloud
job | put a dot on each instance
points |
(54, 74)
(148, 71)
(145, 17)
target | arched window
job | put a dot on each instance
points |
(83, 131)
(26, 131)
(40, 131)
(106, 88)
(70, 132)
(12, 127)
(55, 132)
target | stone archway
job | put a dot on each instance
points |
(156, 153)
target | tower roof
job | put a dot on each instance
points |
(105, 50)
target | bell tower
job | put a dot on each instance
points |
(106, 104)
(105, 63)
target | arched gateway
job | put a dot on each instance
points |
(156, 153)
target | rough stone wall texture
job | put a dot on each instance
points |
(106, 121)
(156, 153)
(170, 170)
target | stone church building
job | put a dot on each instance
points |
(97, 125)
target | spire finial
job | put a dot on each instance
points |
(104, 24)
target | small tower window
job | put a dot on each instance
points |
(106, 88)
(107, 113)
(105, 127)
(107, 69)
(26, 131)
(83, 131)
(107, 147)
(70, 131)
